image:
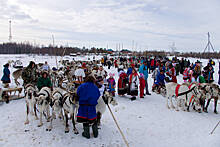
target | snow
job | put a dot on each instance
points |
(144, 122)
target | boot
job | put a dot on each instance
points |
(86, 133)
(95, 130)
(133, 98)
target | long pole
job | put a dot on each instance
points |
(123, 136)
(215, 127)
(56, 53)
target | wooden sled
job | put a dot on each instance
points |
(13, 93)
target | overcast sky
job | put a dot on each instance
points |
(152, 24)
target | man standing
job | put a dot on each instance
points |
(88, 94)
(46, 66)
(144, 70)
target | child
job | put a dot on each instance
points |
(111, 84)
(160, 82)
(133, 83)
(186, 75)
(142, 85)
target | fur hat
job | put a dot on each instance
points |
(6, 65)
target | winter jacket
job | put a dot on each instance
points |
(129, 71)
(101, 73)
(122, 81)
(80, 73)
(43, 82)
(6, 75)
(143, 70)
(186, 74)
(133, 81)
(46, 67)
(201, 79)
(111, 84)
(172, 74)
(160, 79)
(88, 94)
(29, 75)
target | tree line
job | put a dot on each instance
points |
(27, 48)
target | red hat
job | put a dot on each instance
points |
(132, 65)
(84, 65)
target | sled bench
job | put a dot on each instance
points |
(13, 93)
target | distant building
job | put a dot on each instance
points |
(110, 51)
(125, 51)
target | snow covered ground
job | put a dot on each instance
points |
(145, 122)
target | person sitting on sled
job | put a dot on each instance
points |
(160, 81)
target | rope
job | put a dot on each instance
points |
(215, 128)
(123, 136)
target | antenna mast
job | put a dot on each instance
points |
(10, 35)
(209, 45)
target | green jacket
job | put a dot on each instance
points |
(43, 82)
(202, 79)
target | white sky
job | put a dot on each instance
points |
(152, 24)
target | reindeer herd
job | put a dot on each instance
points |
(196, 95)
(61, 103)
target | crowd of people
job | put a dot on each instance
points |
(133, 80)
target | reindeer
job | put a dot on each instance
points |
(214, 92)
(16, 75)
(43, 100)
(30, 93)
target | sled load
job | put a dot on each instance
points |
(18, 64)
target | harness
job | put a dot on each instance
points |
(25, 90)
(47, 98)
(60, 99)
(183, 93)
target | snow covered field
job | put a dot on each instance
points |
(145, 122)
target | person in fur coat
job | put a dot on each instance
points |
(122, 83)
(142, 85)
(133, 84)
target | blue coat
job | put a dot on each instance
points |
(88, 94)
(6, 73)
(160, 79)
(129, 71)
(143, 70)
